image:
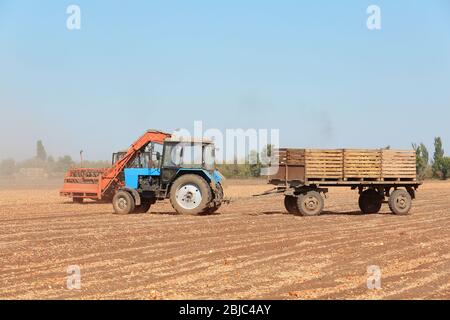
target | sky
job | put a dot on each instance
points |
(311, 69)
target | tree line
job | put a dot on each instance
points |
(47, 163)
(438, 167)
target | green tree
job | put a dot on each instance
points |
(33, 163)
(422, 159)
(63, 164)
(445, 167)
(438, 157)
(266, 154)
(40, 151)
(7, 167)
(254, 164)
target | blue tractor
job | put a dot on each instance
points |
(181, 170)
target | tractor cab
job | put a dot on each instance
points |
(181, 156)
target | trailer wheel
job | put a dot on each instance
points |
(310, 203)
(290, 203)
(370, 201)
(143, 208)
(123, 202)
(77, 200)
(400, 202)
(190, 194)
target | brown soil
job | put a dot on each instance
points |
(252, 249)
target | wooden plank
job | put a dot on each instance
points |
(325, 164)
(362, 163)
(398, 164)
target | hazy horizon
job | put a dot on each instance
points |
(312, 70)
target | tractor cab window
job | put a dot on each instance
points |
(141, 160)
(185, 155)
(157, 151)
(118, 156)
(209, 156)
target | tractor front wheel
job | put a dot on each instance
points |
(123, 202)
(190, 194)
(143, 207)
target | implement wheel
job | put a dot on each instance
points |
(123, 202)
(310, 203)
(290, 203)
(400, 202)
(190, 194)
(370, 201)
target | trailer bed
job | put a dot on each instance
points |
(347, 167)
(379, 175)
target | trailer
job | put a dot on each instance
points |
(380, 176)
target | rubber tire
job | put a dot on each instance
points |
(393, 202)
(203, 186)
(142, 208)
(291, 205)
(130, 202)
(219, 196)
(77, 200)
(304, 211)
(370, 201)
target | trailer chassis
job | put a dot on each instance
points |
(307, 198)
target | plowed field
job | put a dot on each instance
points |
(252, 249)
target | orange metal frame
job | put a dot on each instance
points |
(95, 183)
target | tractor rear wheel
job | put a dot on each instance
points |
(123, 202)
(310, 203)
(370, 201)
(290, 203)
(400, 202)
(190, 194)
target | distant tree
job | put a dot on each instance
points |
(7, 167)
(95, 164)
(445, 168)
(63, 164)
(438, 157)
(33, 163)
(422, 159)
(254, 164)
(51, 164)
(40, 151)
(266, 154)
